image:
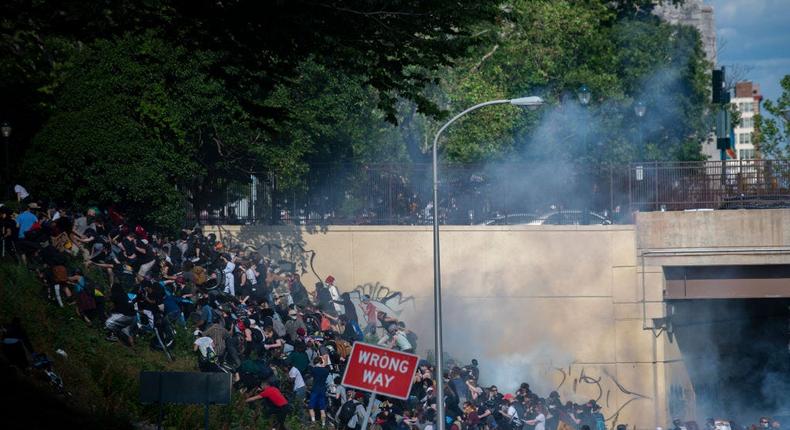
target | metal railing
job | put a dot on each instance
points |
(496, 194)
(400, 194)
(732, 184)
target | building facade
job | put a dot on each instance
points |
(697, 15)
(747, 101)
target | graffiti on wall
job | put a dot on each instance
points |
(393, 303)
(601, 388)
(294, 257)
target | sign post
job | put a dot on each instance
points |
(185, 388)
(371, 402)
(379, 370)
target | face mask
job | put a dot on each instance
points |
(764, 425)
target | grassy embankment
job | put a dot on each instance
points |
(101, 376)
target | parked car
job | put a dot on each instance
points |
(571, 217)
(511, 219)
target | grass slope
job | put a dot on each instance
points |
(101, 376)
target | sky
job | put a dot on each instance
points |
(755, 34)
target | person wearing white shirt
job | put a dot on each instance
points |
(539, 421)
(230, 288)
(252, 279)
(299, 389)
(330, 285)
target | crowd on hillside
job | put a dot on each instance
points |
(285, 344)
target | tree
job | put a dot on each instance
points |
(772, 133)
(552, 49)
(137, 122)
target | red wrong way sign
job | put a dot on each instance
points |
(380, 370)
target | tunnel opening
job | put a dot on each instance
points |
(737, 355)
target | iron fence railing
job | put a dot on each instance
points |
(732, 184)
(494, 194)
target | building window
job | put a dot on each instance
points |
(745, 138)
(747, 123)
(746, 154)
(746, 107)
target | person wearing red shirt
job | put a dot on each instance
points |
(276, 400)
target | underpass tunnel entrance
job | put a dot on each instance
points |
(734, 341)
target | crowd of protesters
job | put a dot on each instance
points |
(284, 344)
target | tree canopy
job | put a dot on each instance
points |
(772, 138)
(145, 104)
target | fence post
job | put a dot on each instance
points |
(630, 192)
(655, 175)
(611, 192)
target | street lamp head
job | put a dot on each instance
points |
(786, 114)
(640, 109)
(584, 95)
(5, 129)
(532, 102)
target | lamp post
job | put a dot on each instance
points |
(5, 129)
(640, 109)
(531, 103)
(584, 99)
(584, 95)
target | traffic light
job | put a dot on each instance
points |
(720, 94)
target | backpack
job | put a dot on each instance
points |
(517, 422)
(257, 335)
(347, 412)
(200, 275)
(209, 357)
(343, 348)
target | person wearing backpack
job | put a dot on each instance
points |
(351, 414)
(515, 412)
(207, 356)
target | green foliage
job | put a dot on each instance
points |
(137, 121)
(772, 134)
(145, 104)
(551, 49)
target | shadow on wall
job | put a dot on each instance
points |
(286, 246)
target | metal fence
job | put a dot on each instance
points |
(495, 194)
(732, 184)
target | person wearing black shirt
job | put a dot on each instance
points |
(7, 232)
(145, 258)
(122, 317)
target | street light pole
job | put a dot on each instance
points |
(530, 102)
(639, 110)
(5, 129)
